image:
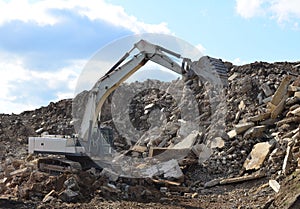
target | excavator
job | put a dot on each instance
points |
(77, 151)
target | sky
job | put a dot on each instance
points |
(45, 45)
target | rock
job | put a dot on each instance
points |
(71, 183)
(279, 108)
(258, 155)
(242, 127)
(233, 76)
(69, 195)
(187, 142)
(267, 91)
(232, 134)
(254, 132)
(274, 185)
(281, 91)
(217, 142)
(202, 151)
(169, 169)
(212, 183)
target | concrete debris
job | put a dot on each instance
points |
(232, 134)
(266, 89)
(281, 91)
(169, 169)
(254, 135)
(187, 142)
(202, 151)
(212, 183)
(242, 127)
(286, 166)
(274, 185)
(217, 142)
(258, 155)
(254, 132)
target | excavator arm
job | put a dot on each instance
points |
(121, 71)
(210, 69)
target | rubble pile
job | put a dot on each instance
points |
(55, 119)
(255, 135)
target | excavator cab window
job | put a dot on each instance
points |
(107, 134)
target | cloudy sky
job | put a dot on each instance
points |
(45, 44)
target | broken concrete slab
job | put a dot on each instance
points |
(266, 89)
(188, 141)
(279, 108)
(169, 169)
(282, 90)
(274, 185)
(254, 132)
(286, 166)
(258, 155)
(242, 127)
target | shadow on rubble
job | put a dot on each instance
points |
(7, 203)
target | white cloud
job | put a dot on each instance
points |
(40, 13)
(201, 48)
(249, 8)
(281, 10)
(285, 10)
(23, 89)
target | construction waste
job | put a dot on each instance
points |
(248, 135)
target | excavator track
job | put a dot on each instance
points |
(58, 165)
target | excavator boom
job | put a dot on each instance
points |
(210, 69)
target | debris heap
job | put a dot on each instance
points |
(255, 135)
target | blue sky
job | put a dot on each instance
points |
(44, 45)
